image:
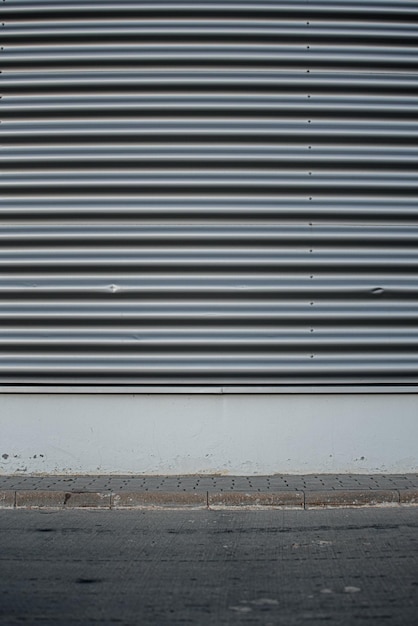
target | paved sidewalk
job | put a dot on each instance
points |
(281, 491)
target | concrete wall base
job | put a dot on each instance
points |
(177, 434)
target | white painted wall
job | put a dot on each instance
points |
(188, 434)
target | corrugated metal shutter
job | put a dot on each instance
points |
(209, 192)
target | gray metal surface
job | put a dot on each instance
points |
(209, 193)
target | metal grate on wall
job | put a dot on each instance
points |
(209, 193)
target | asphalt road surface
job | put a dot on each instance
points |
(202, 567)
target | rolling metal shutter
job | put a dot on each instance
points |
(209, 193)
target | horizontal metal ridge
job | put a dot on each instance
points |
(197, 175)
(69, 81)
(78, 106)
(384, 9)
(230, 155)
(188, 283)
(204, 182)
(359, 57)
(247, 343)
(232, 234)
(58, 372)
(115, 297)
(306, 313)
(174, 51)
(134, 334)
(130, 207)
(296, 31)
(181, 130)
(155, 361)
(104, 332)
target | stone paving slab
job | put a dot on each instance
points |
(277, 491)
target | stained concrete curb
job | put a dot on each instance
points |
(25, 499)
(351, 498)
(128, 500)
(7, 499)
(50, 499)
(286, 499)
(86, 500)
(409, 496)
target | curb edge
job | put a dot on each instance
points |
(300, 500)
